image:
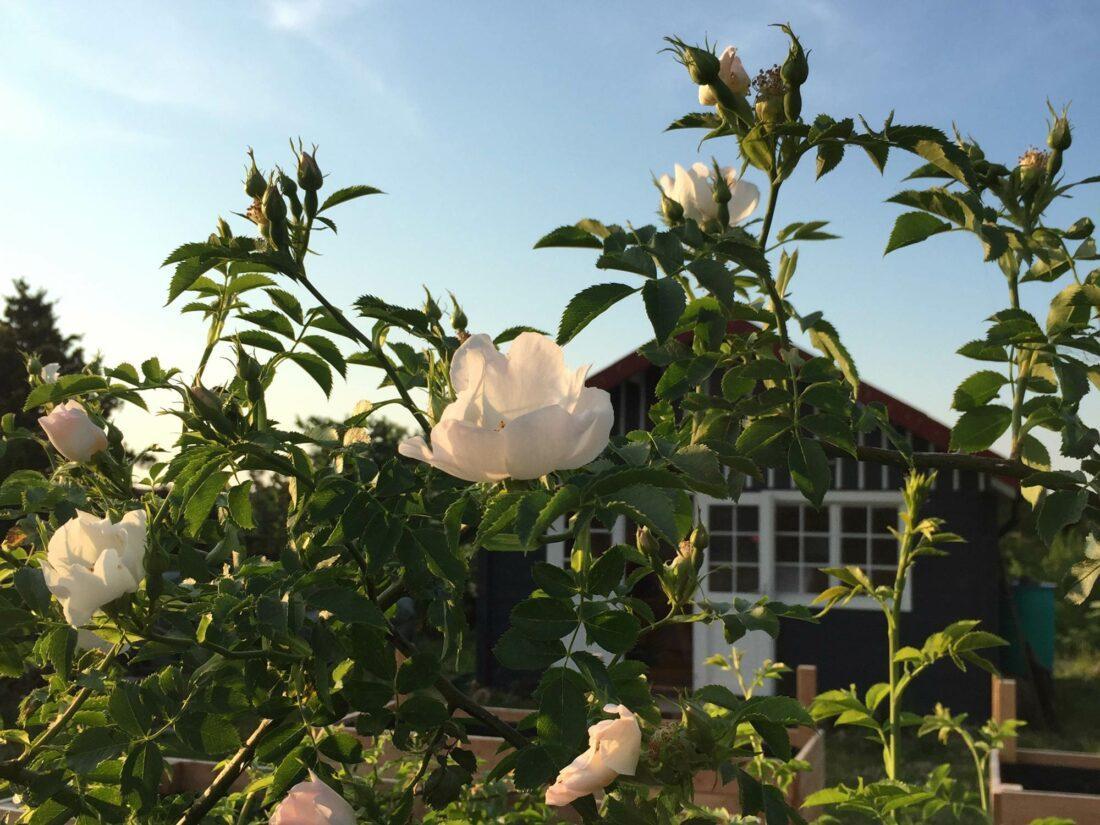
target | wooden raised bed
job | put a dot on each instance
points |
(809, 746)
(1026, 784)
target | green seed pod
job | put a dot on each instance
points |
(769, 109)
(254, 183)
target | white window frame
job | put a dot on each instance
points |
(766, 501)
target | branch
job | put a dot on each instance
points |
(383, 359)
(988, 465)
(225, 779)
(457, 699)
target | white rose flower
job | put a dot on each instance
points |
(693, 189)
(520, 415)
(90, 562)
(50, 372)
(313, 803)
(72, 432)
(614, 746)
(731, 72)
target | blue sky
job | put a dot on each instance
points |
(124, 127)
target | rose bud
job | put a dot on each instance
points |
(50, 373)
(702, 64)
(290, 190)
(224, 232)
(275, 212)
(254, 183)
(1060, 136)
(459, 321)
(309, 173)
(647, 544)
(72, 432)
(731, 72)
(313, 803)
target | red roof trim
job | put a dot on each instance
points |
(920, 424)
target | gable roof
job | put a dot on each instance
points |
(919, 423)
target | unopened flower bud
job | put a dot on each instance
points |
(459, 322)
(224, 232)
(702, 64)
(1060, 136)
(731, 73)
(699, 538)
(290, 190)
(254, 183)
(647, 543)
(672, 211)
(796, 68)
(274, 208)
(309, 173)
(721, 186)
(431, 308)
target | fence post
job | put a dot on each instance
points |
(805, 684)
(1004, 708)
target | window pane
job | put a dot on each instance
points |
(853, 519)
(813, 581)
(748, 519)
(748, 548)
(786, 548)
(721, 548)
(815, 549)
(721, 517)
(786, 578)
(882, 576)
(884, 551)
(786, 518)
(817, 521)
(883, 518)
(600, 541)
(853, 550)
(748, 579)
(721, 580)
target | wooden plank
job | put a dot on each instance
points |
(811, 781)
(805, 681)
(1004, 708)
(1021, 807)
(1066, 759)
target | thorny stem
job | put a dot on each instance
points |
(225, 779)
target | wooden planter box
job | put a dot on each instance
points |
(1026, 784)
(809, 745)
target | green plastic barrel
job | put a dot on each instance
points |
(1034, 603)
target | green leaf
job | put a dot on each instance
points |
(92, 747)
(914, 227)
(287, 303)
(348, 193)
(342, 747)
(978, 390)
(187, 272)
(142, 772)
(318, 370)
(562, 711)
(1057, 510)
(128, 710)
(977, 429)
(649, 507)
(259, 338)
(664, 304)
(569, 236)
(518, 651)
(270, 320)
(809, 468)
(615, 631)
(202, 500)
(67, 386)
(696, 120)
(328, 350)
(247, 281)
(825, 338)
(240, 504)
(587, 305)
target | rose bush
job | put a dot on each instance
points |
(287, 662)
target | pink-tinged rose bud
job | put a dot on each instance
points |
(313, 803)
(72, 432)
(731, 71)
(614, 746)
